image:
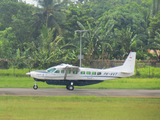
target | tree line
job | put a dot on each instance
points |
(44, 35)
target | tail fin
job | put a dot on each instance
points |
(129, 64)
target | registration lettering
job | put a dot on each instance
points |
(110, 74)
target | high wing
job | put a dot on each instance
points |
(71, 68)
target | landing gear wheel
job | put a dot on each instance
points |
(70, 87)
(67, 87)
(35, 87)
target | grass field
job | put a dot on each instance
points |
(78, 108)
(122, 83)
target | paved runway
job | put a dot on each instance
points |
(80, 92)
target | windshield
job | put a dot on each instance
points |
(51, 70)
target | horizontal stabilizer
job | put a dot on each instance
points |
(126, 72)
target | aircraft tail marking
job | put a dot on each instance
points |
(129, 64)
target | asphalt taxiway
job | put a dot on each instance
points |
(80, 92)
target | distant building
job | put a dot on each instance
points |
(152, 51)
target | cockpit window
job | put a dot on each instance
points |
(50, 70)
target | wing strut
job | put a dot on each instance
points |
(65, 75)
(71, 68)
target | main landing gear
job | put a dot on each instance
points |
(70, 87)
(35, 87)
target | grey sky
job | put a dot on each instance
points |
(34, 2)
(31, 2)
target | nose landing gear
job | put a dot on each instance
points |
(35, 87)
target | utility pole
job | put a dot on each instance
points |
(80, 31)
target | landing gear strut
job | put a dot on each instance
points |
(35, 87)
(70, 87)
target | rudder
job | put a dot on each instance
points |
(129, 64)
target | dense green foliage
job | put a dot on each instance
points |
(39, 37)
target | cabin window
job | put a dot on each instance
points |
(88, 72)
(50, 70)
(83, 72)
(98, 73)
(62, 71)
(75, 72)
(68, 71)
(57, 71)
(93, 73)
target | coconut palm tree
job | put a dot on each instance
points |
(156, 7)
(50, 12)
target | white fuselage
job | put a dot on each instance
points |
(81, 74)
(70, 75)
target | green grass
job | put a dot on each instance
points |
(128, 83)
(78, 108)
(122, 83)
(14, 72)
(147, 71)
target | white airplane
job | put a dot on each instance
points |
(71, 76)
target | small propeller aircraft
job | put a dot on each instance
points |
(69, 75)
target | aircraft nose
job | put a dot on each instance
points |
(28, 73)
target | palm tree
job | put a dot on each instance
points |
(50, 12)
(156, 7)
(49, 49)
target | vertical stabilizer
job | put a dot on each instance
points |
(129, 64)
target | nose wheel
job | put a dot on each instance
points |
(35, 87)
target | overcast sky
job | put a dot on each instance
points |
(31, 2)
(34, 2)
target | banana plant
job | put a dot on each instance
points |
(16, 60)
(90, 41)
(49, 50)
(95, 40)
(105, 40)
(126, 40)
